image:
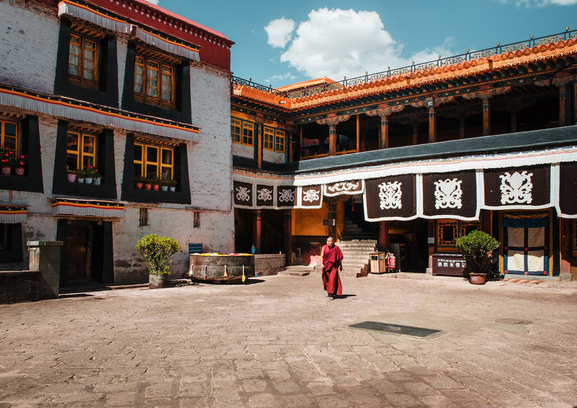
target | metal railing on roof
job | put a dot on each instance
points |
(440, 62)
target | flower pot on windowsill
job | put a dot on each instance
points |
(97, 181)
(164, 188)
(172, 188)
(155, 187)
(147, 186)
(6, 170)
(88, 180)
(71, 177)
(138, 185)
(80, 180)
(19, 171)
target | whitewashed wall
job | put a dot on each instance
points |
(28, 45)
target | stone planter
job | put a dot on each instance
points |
(157, 281)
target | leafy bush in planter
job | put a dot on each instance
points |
(156, 250)
(477, 248)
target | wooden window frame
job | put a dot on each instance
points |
(3, 135)
(82, 156)
(159, 85)
(268, 138)
(84, 41)
(459, 229)
(279, 140)
(162, 168)
(246, 138)
(235, 130)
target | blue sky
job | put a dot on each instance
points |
(280, 42)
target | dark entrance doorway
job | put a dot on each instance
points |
(87, 252)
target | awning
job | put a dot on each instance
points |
(13, 214)
(167, 45)
(87, 208)
(350, 187)
(93, 16)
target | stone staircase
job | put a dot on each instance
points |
(353, 231)
(356, 256)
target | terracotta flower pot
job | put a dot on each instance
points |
(6, 170)
(147, 186)
(138, 185)
(478, 278)
(155, 187)
(19, 171)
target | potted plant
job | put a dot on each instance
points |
(7, 161)
(477, 248)
(89, 173)
(19, 164)
(80, 174)
(164, 184)
(138, 181)
(71, 175)
(156, 251)
(172, 184)
(156, 183)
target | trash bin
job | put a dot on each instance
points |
(378, 262)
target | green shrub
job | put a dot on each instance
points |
(156, 250)
(477, 248)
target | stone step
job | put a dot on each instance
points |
(296, 270)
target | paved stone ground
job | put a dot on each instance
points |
(280, 342)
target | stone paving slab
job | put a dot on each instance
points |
(280, 342)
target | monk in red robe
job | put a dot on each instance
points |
(331, 257)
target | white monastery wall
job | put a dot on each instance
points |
(28, 46)
(273, 157)
(242, 150)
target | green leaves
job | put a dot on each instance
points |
(156, 250)
(477, 248)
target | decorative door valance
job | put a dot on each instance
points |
(351, 187)
(265, 196)
(391, 198)
(310, 197)
(518, 188)
(87, 208)
(567, 203)
(13, 214)
(286, 196)
(243, 194)
(450, 195)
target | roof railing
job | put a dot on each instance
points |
(440, 62)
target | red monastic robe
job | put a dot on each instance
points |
(332, 258)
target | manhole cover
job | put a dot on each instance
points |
(513, 321)
(395, 328)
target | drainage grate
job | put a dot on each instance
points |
(395, 328)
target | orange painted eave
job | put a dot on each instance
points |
(417, 78)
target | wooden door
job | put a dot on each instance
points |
(77, 253)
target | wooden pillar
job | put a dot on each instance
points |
(562, 102)
(257, 231)
(432, 125)
(332, 140)
(288, 240)
(384, 240)
(384, 132)
(415, 134)
(513, 122)
(486, 117)
(565, 246)
(332, 216)
(431, 233)
(259, 132)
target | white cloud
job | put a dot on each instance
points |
(153, 2)
(280, 31)
(337, 43)
(541, 3)
(283, 78)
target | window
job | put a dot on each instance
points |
(268, 138)
(143, 221)
(80, 150)
(154, 80)
(247, 133)
(153, 161)
(9, 135)
(83, 58)
(449, 230)
(279, 141)
(235, 126)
